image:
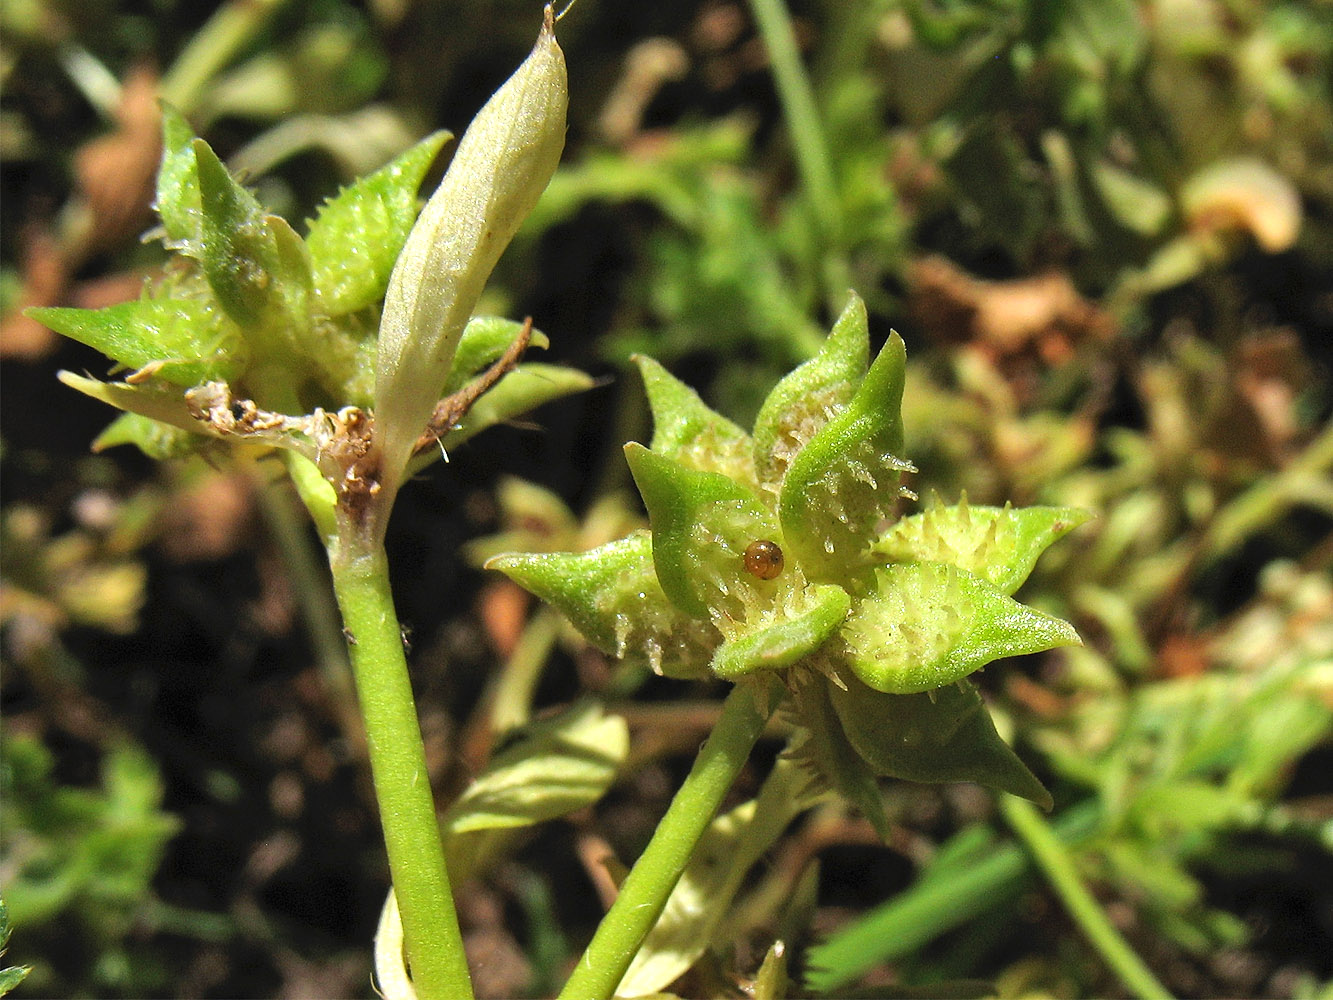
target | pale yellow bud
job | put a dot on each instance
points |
(503, 163)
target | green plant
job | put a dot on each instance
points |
(83, 859)
(767, 564)
(775, 560)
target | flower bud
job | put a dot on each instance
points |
(502, 165)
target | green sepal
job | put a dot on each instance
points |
(155, 439)
(845, 480)
(177, 197)
(612, 596)
(559, 764)
(998, 544)
(939, 736)
(805, 399)
(821, 746)
(192, 340)
(783, 642)
(926, 625)
(484, 340)
(357, 235)
(702, 523)
(686, 429)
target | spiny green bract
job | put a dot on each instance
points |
(875, 622)
(286, 323)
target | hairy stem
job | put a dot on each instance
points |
(398, 765)
(655, 874)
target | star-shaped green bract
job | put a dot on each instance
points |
(876, 627)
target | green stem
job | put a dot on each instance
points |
(798, 105)
(1053, 858)
(655, 874)
(398, 765)
(226, 33)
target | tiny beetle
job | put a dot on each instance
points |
(763, 559)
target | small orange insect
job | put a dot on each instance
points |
(763, 559)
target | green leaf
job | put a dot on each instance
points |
(177, 199)
(844, 482)
(687, 430)
(358, 234)
(611, 595)
(702, 523)
(559, 765)
(259, 270)
(12, 976)
(796, 632)
(998, 544)
(937, 736)
(484, 340)
(816, 391)
(772, 982)
(926, 625)
(192, 341)
(154, 400)
(15, 974)
(1135, 203)
(155, 439)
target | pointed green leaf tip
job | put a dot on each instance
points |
(177, 198)
(193, 342)
(238, 254)
(611, 595)
(702, 523)
(844, 482)
(944, 735)
(805, 400)
(686, 429)
(926, 625)
(998, 544)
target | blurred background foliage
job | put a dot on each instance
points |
(1105, 229)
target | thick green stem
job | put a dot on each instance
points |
(398, 764)
(655, 874)
(1052, 857)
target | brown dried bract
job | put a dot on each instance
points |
(450, 411)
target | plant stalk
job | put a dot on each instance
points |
(649, 884)
(799, 108)
(1052, 857)
(434, 942)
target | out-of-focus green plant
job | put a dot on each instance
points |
(81, 861)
